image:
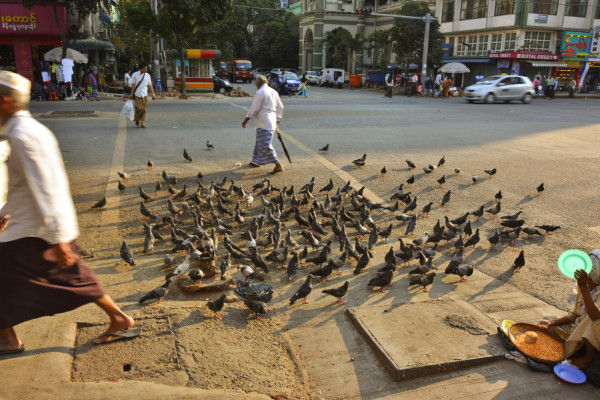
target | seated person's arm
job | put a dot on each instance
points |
(590, 307)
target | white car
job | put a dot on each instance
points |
(501, 87)
(312, 77)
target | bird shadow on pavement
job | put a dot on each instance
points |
(463, 186)
(494, 284)
(426, 189)
(524, 200)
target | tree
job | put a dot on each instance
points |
(380, 45)
(408, 35)
(277, 43)
(133, 14)
(82, 8)
(337, 45)
(356, 45)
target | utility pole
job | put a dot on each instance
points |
(427, 19)
(154, 45)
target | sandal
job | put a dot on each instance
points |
(276, 171)
(120, 335)
(13, 351)
(253, 164)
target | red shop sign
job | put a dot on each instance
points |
(16, 20)
(525, 56)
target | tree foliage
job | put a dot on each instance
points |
(83, 8)
(132, 26)
(408, 35)
(380, 45)
(337, 42)
(277, 43)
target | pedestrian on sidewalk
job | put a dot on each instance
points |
(127, 84)
(141, 82)
(447, 86)
(389, 84)
(266, 109)
(93, 84)
(42, 271)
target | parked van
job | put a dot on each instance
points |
(337, 77)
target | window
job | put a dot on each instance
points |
(510, 40)
(460, 46)
(472, 47)
(549, 7)
(496, 44)
(482, 47)
(597, 10)
(471, 9)
(537, 41)
(576, 8)
(504, 7)
(448, 11)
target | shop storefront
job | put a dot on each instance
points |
(575, 50)
(590, 77)
(527, 64)
(25, 35)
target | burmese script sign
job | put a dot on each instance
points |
(525, 56)
(575, 46)
(16, 20)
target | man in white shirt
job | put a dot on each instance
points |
(127, 84)
(266, 109)
(140, 83)
(42, 272)
(438, 84)
(389, 83)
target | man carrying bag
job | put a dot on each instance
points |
(142, 81)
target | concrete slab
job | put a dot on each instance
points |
(458, 336)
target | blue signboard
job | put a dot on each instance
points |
(446, 50)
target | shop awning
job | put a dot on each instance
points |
(93, 44)
(548, 64)
(466, 60)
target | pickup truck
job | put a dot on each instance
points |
(240, 69)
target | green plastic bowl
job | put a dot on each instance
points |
(572, 260)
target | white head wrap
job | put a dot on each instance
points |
(15, 81)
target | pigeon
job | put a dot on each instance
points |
(158, 186)
(512, 216)
(324, 148)
(442, 161)
(410, 227)
(382, 279)
(473, 240)
(442, 180)
(123, 175)
(217, 305)
(100, 204)
(249, 274)
(158, 293)
(457, 171)
(209, 145)
(494, 239)
(292, 268)
(169, 261)
(144, 195)
(181, 268)
(468, 229)
(325, 271)
(150, 164)
(423, 269)
(446, 198)
(148, 241)
(531, 231)
(225, 265)
(196, 275)
(548, 228)
(126, 254)
(186, 155)
(490, 172)
(540, 189)
(303, 291)
(411, 165)
(258, 307)
(474, 179)
(145, 212)
(411, 207)
(359, 162)
(519, 261)
(423, 280)
(363, 261)
(511, 235)
(383, 171)
(410, 180)
(385, 233)
(338, 292)
(498, 196)
(426, 210)
(494, 210)
(461, 270)
(479, 212)
(328, 187)
(513, 223)
(460, 220)
(254, 291)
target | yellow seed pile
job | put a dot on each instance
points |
(544, 348)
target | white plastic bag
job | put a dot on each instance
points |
(129, 109)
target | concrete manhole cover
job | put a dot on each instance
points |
(71, 114)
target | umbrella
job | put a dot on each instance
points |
(455, 68)
(56, 55)
(285, 150)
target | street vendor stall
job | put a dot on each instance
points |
(198, 69)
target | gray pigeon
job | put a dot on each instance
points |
(303, 291)
(126, 254)
(158, 293)
(217, 305)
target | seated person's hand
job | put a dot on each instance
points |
(581, 276)
(545, 324)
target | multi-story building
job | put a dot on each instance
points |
(527, 37)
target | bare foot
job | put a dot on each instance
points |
(117, 324)
(12, 345)
(581, 362)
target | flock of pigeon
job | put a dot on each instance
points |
(294, 227)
